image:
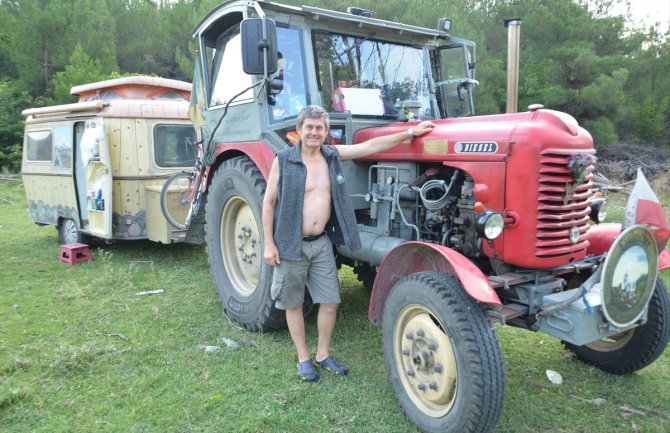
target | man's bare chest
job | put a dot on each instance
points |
(318, 179)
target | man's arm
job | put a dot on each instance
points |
(380, 144)
(270, 252)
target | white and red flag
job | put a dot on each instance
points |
(643, 207)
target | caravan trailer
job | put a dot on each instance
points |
(95, 168)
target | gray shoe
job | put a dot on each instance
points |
(307, 372)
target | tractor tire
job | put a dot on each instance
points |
(234, 236)
(636, 348)
(442, 355)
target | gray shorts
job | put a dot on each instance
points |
(316, 269)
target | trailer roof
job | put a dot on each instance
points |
(134, 87)
(136, 97)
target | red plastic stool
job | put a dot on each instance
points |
(75, 253)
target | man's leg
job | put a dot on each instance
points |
(325, 324)
(296, 327)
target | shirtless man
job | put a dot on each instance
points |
(304, 181)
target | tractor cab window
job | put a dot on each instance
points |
(456, 80)
(369, 77)
(228, 77)
(289, 88)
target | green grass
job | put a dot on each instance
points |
(81, 352)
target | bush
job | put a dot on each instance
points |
(12, 103)
(602, 130)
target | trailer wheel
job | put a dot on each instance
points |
(636, 348)
(233, 232)
(442, 355)
(68, 233)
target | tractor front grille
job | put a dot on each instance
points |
(560, 210)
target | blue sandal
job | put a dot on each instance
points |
(330, 365)
(307, 372)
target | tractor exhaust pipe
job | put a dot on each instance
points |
(513, 36)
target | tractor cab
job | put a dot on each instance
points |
(364, 71)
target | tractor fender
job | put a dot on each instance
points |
(412, 257)
(602, 236)
(260, 153)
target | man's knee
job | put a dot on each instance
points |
(294, 310)
(328, 307)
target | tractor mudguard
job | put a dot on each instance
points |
(259, 152)
(412, 257)
(602, 236)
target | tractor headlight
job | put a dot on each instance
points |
(598, 210)
(490, 225)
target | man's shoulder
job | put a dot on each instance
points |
(285, 151)
(330, 151)
(285, 154)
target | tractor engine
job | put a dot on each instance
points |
(410, 201)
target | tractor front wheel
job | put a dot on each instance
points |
(636, 348)
(442, 355)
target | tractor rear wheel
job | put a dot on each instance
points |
(366, 274)
(234, 236)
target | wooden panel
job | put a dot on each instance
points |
(142, 133)
(128, 155)
(114, 143)
(127, 197)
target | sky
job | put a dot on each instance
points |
(650, 11)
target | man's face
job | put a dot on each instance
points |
(313, 132)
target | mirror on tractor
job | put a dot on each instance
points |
(259, 46)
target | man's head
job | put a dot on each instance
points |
(313, 126)
(313, 112)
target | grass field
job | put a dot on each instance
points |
(80, 351)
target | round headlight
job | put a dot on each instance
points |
(490, 225)
(598, 210)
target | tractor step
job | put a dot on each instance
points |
(507, 312)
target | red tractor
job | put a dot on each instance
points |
(485, 219)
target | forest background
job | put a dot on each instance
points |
(611, 73)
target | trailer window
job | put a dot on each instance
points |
(172, 145)
(105, 95)
(62, 145)
(39, 147)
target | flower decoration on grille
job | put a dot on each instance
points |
(409, 114)
(578, 165)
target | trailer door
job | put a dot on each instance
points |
(98, 175)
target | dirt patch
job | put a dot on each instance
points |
(619, 164)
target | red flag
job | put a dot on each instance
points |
(644, 208)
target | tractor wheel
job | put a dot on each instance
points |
(442, 355)
(68, 233)
(234, 236)
(636, 348)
